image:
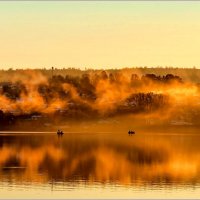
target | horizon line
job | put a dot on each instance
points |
(96, 69)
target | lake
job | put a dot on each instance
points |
(100, 165)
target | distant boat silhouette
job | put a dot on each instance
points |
(131, 132)
(60, 133)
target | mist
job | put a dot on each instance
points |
(100, 94)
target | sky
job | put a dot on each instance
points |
(99, 34)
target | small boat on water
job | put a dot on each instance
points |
(60, 133)
(131, 132)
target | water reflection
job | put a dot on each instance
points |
(140, 160)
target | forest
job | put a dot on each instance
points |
(55, 95)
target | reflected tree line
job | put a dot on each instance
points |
(116, 161)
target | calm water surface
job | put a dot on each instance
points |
(99, 165)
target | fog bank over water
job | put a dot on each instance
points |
(33, 96)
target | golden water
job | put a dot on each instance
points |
(100, 165)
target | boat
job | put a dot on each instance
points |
(131, 132)
(60, 133)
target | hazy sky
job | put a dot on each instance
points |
(99, 34)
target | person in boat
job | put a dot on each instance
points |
(131, 132)
(59, 132)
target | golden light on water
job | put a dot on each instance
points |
(97, 157)
(129, 162)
